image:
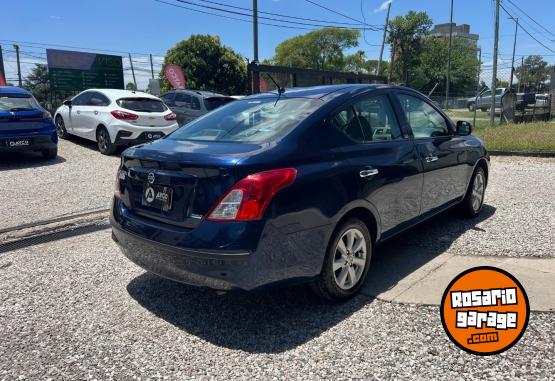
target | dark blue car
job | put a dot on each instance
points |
(25, 125)
(293, 187)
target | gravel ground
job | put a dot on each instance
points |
(80, 179)
(518, 217)
(69, 312)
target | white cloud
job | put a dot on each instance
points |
(383, 6)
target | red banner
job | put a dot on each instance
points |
(175, 76)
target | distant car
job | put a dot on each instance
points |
(294, 187)
(25, 125)
(113, 118)
(484, 100)
(190, 104)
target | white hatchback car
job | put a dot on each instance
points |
(114, 118)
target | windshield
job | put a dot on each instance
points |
(10, 102)
(249, 121)
(142, 104)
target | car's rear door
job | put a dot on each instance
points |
(383, 163)
(442, 153)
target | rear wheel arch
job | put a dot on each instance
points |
(366, 216)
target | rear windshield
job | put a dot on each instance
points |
(215, 102)
(142, 104)
(249, 121)
(9, 102)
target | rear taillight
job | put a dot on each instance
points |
(248, 199)
(170, 116)
(120, 175)
(124, 115)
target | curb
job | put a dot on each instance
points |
(521, 153)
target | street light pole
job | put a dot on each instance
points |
(494, 72)
(448, 79)
(477, 85)
(378, 71)
(514, 49)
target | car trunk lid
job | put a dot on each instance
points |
(21, 120)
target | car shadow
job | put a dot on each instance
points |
(278, 320)
(20, 160)
(91, 145)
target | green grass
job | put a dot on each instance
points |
(466, 114)
(536, 136)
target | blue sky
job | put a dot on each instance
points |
(148, 26)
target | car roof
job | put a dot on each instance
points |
(328, 92)
(115, 94)
(14, 90)
(202, 93)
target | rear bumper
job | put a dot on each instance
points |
(269, 258)
(123, 133)
(39, 141)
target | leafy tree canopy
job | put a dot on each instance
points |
(38, 84)
(207, 65)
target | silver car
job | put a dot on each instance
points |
(190, 104)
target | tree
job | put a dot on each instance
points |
(534, 73)
(321, 49)
(130, 86)
(207, 65)
(405, 37)
(38, 84)
(431, 69)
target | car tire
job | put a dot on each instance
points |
(484, 109)
(50, 154)
(473, 201)
(105, 145)
(61, 127)
(346, 263)
(471, 107)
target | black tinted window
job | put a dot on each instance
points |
(142, 104)
(167, 98)
(98, 99)
(249, 120)
(215, 102)
(81, 99)
(17, 102)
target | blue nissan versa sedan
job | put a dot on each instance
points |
(291, 187)
(25, 125)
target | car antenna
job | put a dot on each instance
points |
(280, 89)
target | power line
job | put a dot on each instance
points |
(526, 31)
(266, 18)
(280, 15)
(230, 17)
(531, 18)
(336, 12)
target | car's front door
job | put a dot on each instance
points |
(384, 166)
(442, 153)
(484, 100)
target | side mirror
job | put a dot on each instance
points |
(464, 128)
(67, 103)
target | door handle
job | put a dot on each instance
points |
(431, 159)
(368, 172)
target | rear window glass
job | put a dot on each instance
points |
(255, 120)
(215, 102)
(9, 102)
(142, 104)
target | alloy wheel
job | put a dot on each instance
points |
(60, 127)
(103, 140)
(478, 188)
(350, 259)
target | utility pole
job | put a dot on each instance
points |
(521, 79)
(132, 71)
(514, 49)
(2, 71)
(16, 47)
(151, 66)
(477, 84)
(494, 73)
(256, 75)
(378, 70)
(448, 79)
